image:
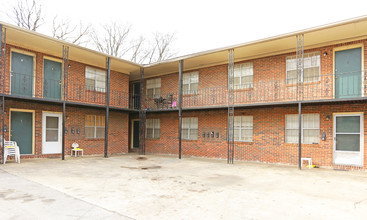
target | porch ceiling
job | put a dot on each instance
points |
(50, 46)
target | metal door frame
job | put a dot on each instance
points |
(361, 147)
(353, 46)
(34, 67)
(33, 125)
(62, 74)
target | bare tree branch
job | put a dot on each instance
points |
(113, 40)
(62, 29)
(28, 15)
(161, 47)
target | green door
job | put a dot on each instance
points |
(22, 130)
(21, 74)
(52, 79)
(348, 66)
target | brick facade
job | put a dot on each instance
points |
(119, 86)
(75, 118)
(269, 86)
(268, 143)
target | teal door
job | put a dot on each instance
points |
(348, 66)
(21, 74)
(22, 130)
(52, 79)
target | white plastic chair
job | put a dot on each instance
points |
(11, 149)
(76, 149)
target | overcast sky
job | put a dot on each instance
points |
(203, 25)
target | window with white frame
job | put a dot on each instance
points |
(310, 128)
(311, 68)
(95, 126)
(190, 83)
(95, 79)
(243, 128)
(154, 88)
(190, 128)
(243, 76)
(153, 128)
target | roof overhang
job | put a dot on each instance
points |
(50, 46)
(339, 32)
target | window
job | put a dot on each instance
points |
(153, 128)
(190, 83)
(243, 76)
(310, 128)
(154, 88)
(95, 79)
(311, 68)
(94, 126)
(190, 128)
(243, 128)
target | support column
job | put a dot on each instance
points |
(2, 86)
(142, 114)
(180, 70)
(299, 135)
(108, 74)
(65, 60)
(300, 69)
(230, 129)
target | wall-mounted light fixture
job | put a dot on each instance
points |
(325, 53)
(69, 65)
(328, 117)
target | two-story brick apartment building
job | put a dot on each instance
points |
(316, 75)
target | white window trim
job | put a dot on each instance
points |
(93, 70)
(311, 54)
(244, 85)
(190, 128)
(154, 128)
(240, 129)
(189, 91)
(95, 128)
(302, 129)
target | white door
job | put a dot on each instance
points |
(51, 133)
(348, 139)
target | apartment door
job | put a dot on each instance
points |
(21, 126)
(52, 79)
(348, 139)
(348, 66)
(135, 134)
(21, 74)
(51, 133)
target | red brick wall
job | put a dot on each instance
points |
(119, 86)
(268, 134)
(269, 81)
(75, 118)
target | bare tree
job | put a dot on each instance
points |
(64, 30)
(113, 39)
(28, 15)
(161, 48)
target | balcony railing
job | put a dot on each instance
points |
(27, 85)
(324, 87)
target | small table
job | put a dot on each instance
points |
(307, 159)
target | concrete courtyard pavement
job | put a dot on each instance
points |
(163, 187)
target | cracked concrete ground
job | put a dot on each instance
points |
(163, 187)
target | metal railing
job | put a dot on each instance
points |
(30, 86)
(323, 87)
(320, 87)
